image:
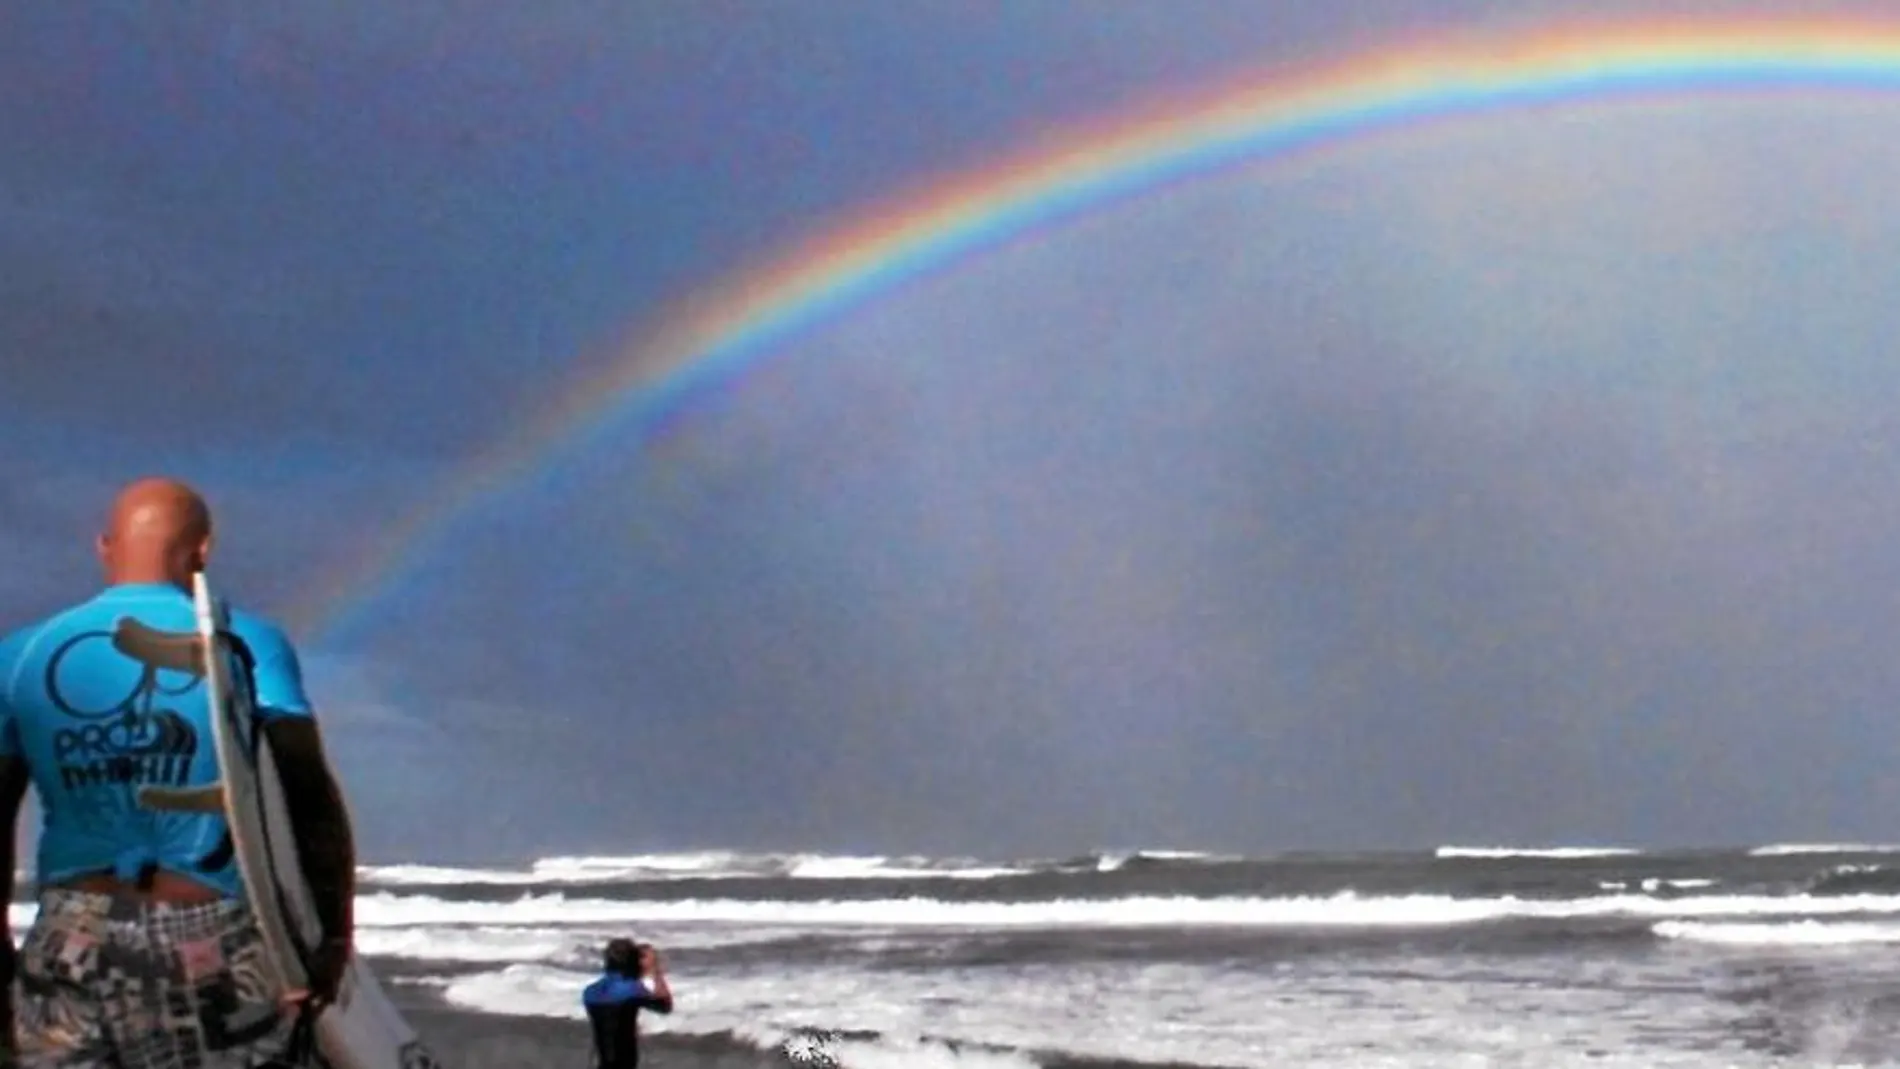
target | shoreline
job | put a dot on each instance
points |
(466, 1039)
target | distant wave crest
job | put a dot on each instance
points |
(1792, 849)
(736, 865)
(699, 865)
(1807, 932)
(1345, 910)
(1553, 852)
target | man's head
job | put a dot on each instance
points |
(621, 956)
(158, 531)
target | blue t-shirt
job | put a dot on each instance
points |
(614, 989)
(94, 725)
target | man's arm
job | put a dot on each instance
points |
(653, 975)
(326, 848)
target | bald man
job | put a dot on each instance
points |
(143, 953)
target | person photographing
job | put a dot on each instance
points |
(632, 979)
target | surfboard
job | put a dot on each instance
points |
(362, 1029)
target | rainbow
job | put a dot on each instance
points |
(1284, 114)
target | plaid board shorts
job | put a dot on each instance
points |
(113, 983)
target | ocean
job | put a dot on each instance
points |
(1774, 955)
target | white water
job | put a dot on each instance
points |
(411, 913)
(1345, 910)
(1532, 1010)
(529, 953)
(1319, 1014)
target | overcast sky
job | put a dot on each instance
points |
(1526, 479)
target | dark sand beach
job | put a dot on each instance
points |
(490, 1041)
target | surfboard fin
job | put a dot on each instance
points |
(180, 651)
(209, 799)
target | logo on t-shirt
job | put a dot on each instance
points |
(118, 735)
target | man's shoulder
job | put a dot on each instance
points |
(16, 643)
(258, 630)
(612, 988)
(277, 671)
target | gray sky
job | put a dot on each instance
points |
(1528, 478)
